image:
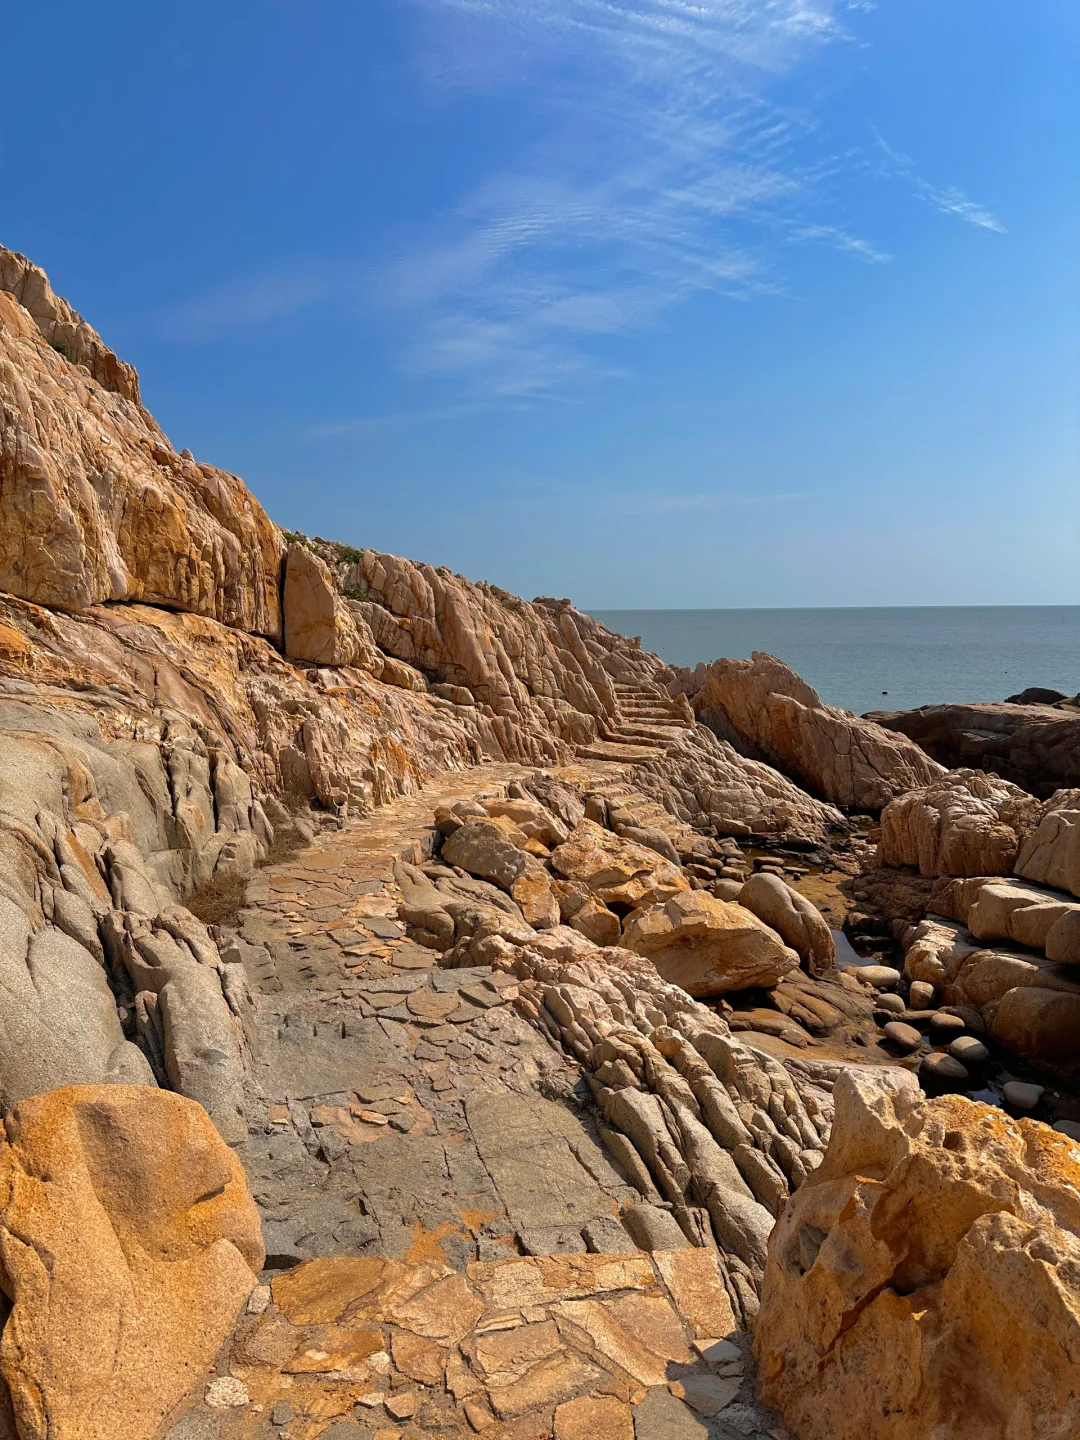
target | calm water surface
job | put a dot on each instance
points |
(920, 655)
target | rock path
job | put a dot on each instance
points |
(413, 1140)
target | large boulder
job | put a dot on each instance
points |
(797, 921)
(1030, 915)
(129, 1243)
(767, 707)
(95, 504)
(1040, 1021)
(319, 624)
(924, 1281)
(708, 946)
(484, 848)
(965, 823)
(1050, 854)
(616, 871)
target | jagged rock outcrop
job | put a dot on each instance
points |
(965, 823)
(783, 720)
(1035, 746)
(129, 1242)
(925, 1280)
(95, 505)
(319, 626)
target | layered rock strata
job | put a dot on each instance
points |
(1033, 745)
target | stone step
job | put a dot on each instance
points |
(622, 754)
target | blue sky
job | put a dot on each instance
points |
(645, 302)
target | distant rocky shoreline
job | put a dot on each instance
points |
(422, 1010)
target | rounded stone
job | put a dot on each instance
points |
(905, 1037)
(946, 1027)
(892, 1003)
(1071, 1128)
(921, 995)
(942, 1067)
(1021, 1095)
(881, 977)
(968, 1050)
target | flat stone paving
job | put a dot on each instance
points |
(415, 1141)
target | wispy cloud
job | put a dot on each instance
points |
(254, 300)
(666, 170)
(948, 199)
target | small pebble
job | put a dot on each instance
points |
(905, 1037)
(881, 977)
(226, 1393)
(258, 1300)
(282, 1413)
(946, 1027)
(942, 1067)
(892, 1003)
(921, 995)
(969, 1050)
(1071, 1128)
(1021, 1095)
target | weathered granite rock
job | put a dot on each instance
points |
(129, 1243)
(1036, 746)
(95, 505)
(616, 871)
(319, 625)
(1030, 915)
(965, 823)
(797, 921)
(1050, 854)
(1038, 1021)
(708, 946)
(784, 721)
(924, 1280)
(484, 849)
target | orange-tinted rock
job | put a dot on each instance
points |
(925, 1280)
(708, 946)
(129, 1244)
(616, 871)
(95, 504)
(966, 823)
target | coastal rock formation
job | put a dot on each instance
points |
(129, 1243)
(965, 823)
(616, 871)
(796, 920)
(95, 505)
(923, 1281)
(318, 624)
(783, 720)
(1036, 746)
(708, 946)
(1051, 851)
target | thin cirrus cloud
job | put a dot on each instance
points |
(948, 200)
(666, 171)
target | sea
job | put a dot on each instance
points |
(891, 658)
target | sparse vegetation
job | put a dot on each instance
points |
(219, 900)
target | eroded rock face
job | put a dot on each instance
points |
(965, 823)
(319, 625)
(1050, 854)
(95, 505)
(708, 946)
(924, 1280)
(153, 1246)
(783, 720)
